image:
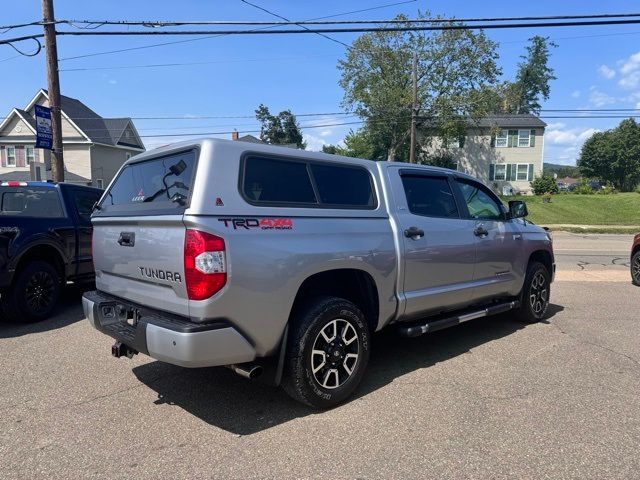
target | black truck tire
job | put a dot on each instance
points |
(34, 293)
(536, 292)
(327, 352)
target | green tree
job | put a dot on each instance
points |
(357, 144)
(444, 160)
(532, 80)
(281, 129)
(376, 78)
(613, 156)
(544, 184)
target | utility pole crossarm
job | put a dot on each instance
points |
(51, 51)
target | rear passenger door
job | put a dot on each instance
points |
(439, 245)
(82, 201)
(498, 241)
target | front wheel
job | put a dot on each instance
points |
(536, 292)
(635, 268)
(327, 353)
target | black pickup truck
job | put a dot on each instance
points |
(45, 241)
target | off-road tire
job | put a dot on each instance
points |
(306, 333)
(635, 268)
(534, 301)
(33, 295)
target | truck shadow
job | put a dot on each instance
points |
(222, 399)
(68, 311)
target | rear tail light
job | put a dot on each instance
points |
(205, 264)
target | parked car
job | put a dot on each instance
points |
(227, 253)
(635, 260)
(45, 241)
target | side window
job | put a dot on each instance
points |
(479, 202)
(277, 181)
(84, 201)
(429, 196)
(343, 186)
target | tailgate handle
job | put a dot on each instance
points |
(127, 239)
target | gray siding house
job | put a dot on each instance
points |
(94, 147)
(504, 151)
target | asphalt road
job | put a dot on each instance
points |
(488, 399)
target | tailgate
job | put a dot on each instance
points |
(138, 236)
(142, 259)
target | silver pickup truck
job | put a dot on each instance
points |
(269, 259)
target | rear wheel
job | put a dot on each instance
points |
(34, 293)
(635, 268)
(535, 294)
(327, 353)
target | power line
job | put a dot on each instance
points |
(183, 64)
(485, 26)
(177, 23)
(130, 49)
(331, 39)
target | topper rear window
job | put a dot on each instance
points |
(161, 185)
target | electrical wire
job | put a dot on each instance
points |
(484, 26)
(331, 39)
(160, 23)
(162, 44)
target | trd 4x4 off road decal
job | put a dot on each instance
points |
(261, 223)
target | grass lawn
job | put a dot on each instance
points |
(617, 209)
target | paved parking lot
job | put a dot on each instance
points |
(488, 399)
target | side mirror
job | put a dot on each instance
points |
(517, 209)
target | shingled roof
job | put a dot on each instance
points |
(96, 129)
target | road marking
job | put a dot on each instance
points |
(593, 276)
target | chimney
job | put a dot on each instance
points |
(234, 135)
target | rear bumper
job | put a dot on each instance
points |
(164, 336)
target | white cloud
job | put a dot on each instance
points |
(113, 82)
(630, 64)
(600, 99)
(606, 72)
(313, 143)
(572, 138)
(575, 93)
(630, 72)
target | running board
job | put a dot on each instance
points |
(430, 325)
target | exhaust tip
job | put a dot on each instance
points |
(249, 371)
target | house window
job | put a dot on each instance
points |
(99, 183)
(500, 171)
(127, 156)
(11, 156)
(453, 142)
(30, 155)
(524, 138)
(502, 139)
(523, 171)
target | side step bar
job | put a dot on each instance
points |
(430, 325)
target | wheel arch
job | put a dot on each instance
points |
(544, 257)
(355, 285)
(43, 252)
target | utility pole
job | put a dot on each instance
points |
(51, 51)
(414, 109)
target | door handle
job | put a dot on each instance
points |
(127, 239)
(480, 231)
(414, 233)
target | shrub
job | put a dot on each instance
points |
(544, 184)
(583, 187)
(607, 190)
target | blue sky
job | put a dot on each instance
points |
(597, 67)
